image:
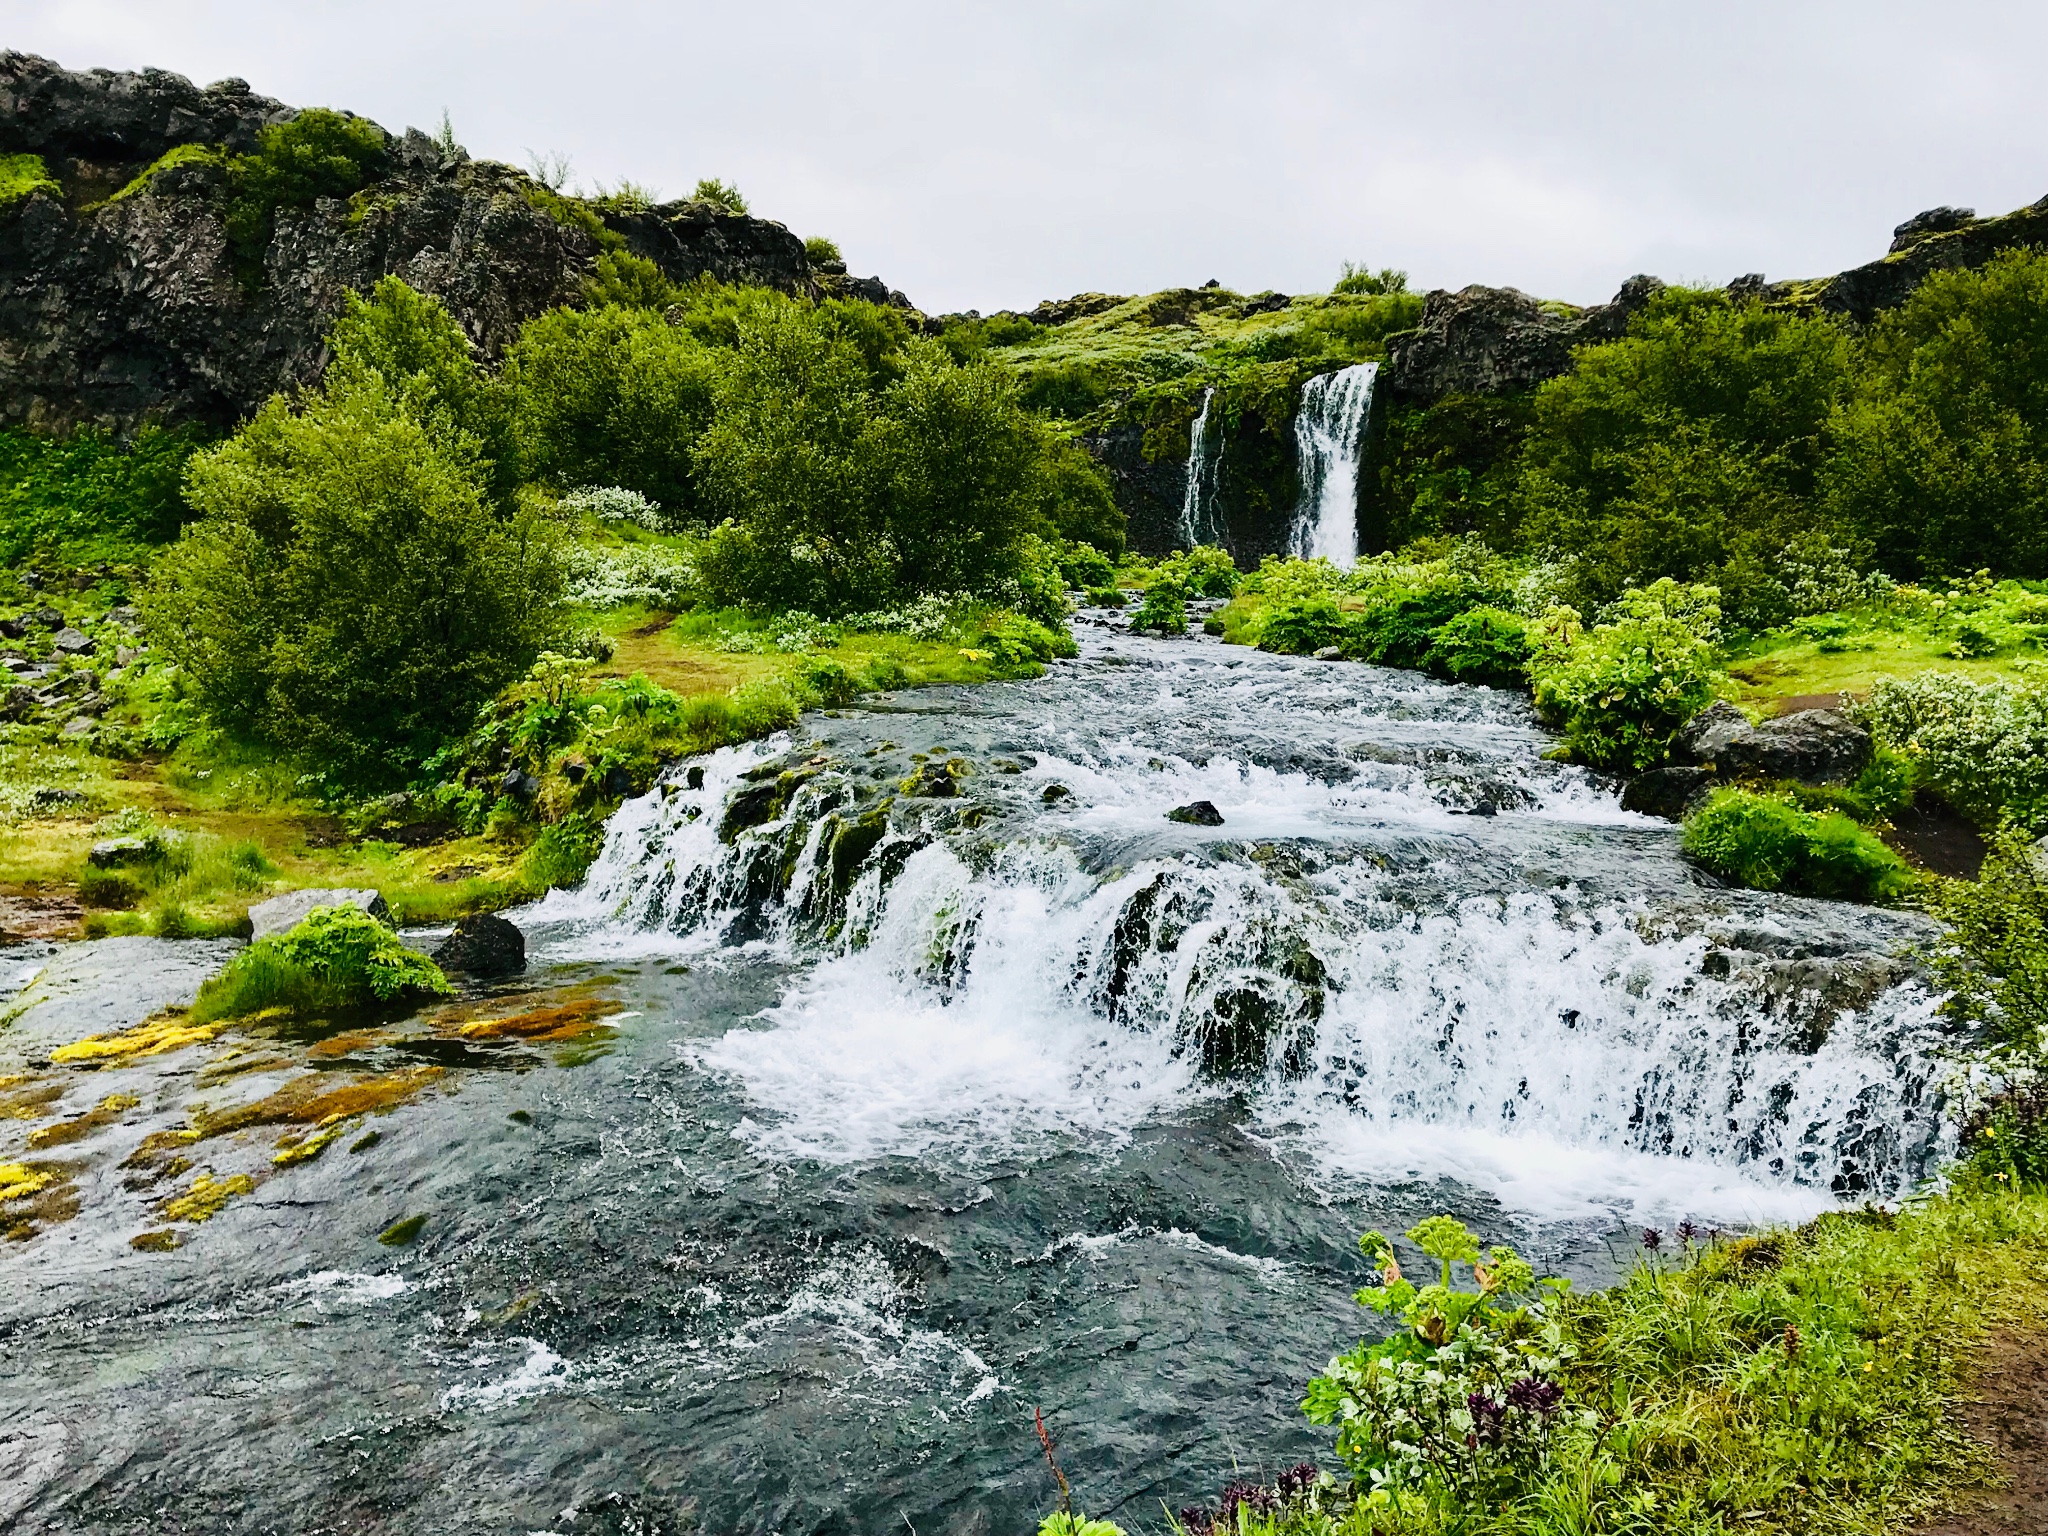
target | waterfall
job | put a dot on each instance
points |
(1205, 467)
(1329, 438)
(1021, 950)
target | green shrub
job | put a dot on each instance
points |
(1205, 571)
(563, 853)
(1041, 585)
(316, 154)
(1105, 597)
(1621, 690)
(1301, 626)
(1984, 745)
(349, 592)
(1396, 625)
(1482, 645)
(88, 498)
(1164, 610)
(1361, 279)
(339, 957)
(108, 890)
(819, 251)
(1018, 644)
(1762, 842)
(720, 194)
(1076, 503)
(1084, 566)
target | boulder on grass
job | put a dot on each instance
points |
(1698, 744)
(483, 944)
(283, 913)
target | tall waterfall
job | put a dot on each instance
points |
(1329, 437)
(1198, 523)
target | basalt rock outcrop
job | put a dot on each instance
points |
(121, 298)
(1495, 341)
(1939, 240)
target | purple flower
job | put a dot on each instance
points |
(1489, 1418)
(1249, 1496)
(1687, 1232)
(1297, 1480)
(1197, 1521)
(1533, 1395)
(1652, 1239)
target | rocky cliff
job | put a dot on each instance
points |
(124, 300)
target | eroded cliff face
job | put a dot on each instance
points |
(121, 309)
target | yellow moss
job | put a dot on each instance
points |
(202, 1202)
(152, 1037)
(336, 1046)
(28, 1103)
(312, 1100)
(298, 1150)
(154, 1242)
(108, 1111)
(568, 1021)
(18, 1181)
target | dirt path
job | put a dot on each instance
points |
(2009, 1413)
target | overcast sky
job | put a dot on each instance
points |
(987, 156)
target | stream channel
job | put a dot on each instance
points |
(953, 1080)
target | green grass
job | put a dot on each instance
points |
(1789, 1383)
(21, 175)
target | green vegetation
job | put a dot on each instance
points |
(316, 154)
(1782, 1382)
(349, 589)
(87, 499)
(170, 159)
(1765, 843)
(339, 957)
(819, 251)
(1361, 279)
(720, 194)
(22, 175)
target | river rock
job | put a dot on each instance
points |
(483, 944)
(1814, 746)
(1667, 792)
(1699, 742)
(281, 913)
(103, 986)
(73, 642)
(1198, 813)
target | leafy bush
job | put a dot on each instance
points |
(1076, 504)
(1941, 458)
(720, 194)
(1301, 626)
(87, 498)
(820, 252)
(1482, 645)
(1983, 745)
(1621, 690)
(339, 957)
(1017, 645)
(613, 504)
(315, 154)
(1360, 279)
(1084, 567)
(1761, 842)
(349, 591)
(1462, 1402)
(563, 853)
(1205, 571)
(605, 576)
(1164, 610)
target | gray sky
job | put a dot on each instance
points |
(989, 156)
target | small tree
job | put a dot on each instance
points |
(351, 591)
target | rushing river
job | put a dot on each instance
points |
(956, 1080)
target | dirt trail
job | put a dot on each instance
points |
(2009, 1412)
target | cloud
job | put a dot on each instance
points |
(989, 155)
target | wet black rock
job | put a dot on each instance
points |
(1667, 792)
(483, 944)
(1199, 813)
(519, 784)
(1814, 746)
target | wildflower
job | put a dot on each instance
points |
(1791, 1341)
(1533, 1395)
(1489, 1420)
(1197, 1521)
(1687, 1232)
(1652, 1239)
(1297, 1480)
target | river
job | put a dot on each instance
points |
(955, 1080)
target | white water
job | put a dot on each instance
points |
(1198, 521)
(1329, 437)
(1520, 1003)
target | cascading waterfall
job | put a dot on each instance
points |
(1198, 521)
(1533, 1000)
(1329, 438)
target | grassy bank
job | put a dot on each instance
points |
(1795, 1381)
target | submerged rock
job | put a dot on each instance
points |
(1198, 813)
(281, 913)
(1667, 792)
(104, 986)
(483, 944)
